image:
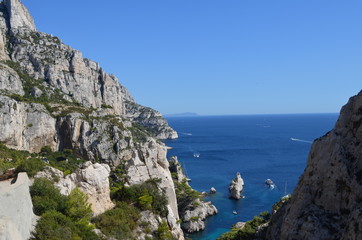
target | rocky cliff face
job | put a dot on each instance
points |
(51, 96)
(327, 203)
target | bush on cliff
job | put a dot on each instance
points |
(185, 195)
(62, 217)
(145, 196)
(249, 230)
(119, 222)
(56, 226)
(46, 197)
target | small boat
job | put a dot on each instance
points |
(270, 183)
(197, 155)
(188, 179)
(235, 212)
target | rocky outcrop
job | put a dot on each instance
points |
(19, 15)
(16, 209)
(212, 190)
(176, 168)
(153, 221)
(194, 217)
(236, 187)
(327, 201)
(91, 179)
(26, 126)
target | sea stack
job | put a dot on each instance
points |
(236, 187)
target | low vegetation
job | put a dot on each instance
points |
(62, 217)
(248, 232)
(119, 222)
(31, 163)
(145, 196)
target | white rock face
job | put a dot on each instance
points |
(92, 179)
(25, 126)
(236, 187)
(150, 162)
(326, 203)
(10, 81)
(16, 209)
(19, 15)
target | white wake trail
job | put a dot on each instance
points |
(300, 140)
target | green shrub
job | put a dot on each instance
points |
(163, 232)
(31, 166)
(46, 150)
(185, 195)
(54, 225)
(144, 196)
(118, 222)
(47, 197)
(77, 207)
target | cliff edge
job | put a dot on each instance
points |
(327, 202)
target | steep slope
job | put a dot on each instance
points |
(51, 96)
(327, 202)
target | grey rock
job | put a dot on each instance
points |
(239, 225)
(10, 82)
(236, 187)
(201, 212)
(19, 15)
(50, 173)
(194, 226)
(36, 92)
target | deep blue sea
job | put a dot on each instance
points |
(258, 146)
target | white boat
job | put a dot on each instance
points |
(270, 183)
(197, 155)
(235, 212)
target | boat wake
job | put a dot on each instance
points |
(187, 134)
(300, 140)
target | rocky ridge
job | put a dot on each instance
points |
(51, 96)
(327, 201)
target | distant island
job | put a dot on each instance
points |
(185, 114)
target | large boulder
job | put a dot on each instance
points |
(91, 179)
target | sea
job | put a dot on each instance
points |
(213, 149)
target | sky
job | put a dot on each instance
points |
(216, 57)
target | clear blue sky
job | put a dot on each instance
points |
(219, 57)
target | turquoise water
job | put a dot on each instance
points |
(259, 147)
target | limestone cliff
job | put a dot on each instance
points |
(51, 96)
(327, 202)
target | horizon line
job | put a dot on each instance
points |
(241, 114)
